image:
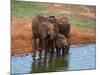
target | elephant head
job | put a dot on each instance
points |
(48, 30)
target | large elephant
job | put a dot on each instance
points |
(35, 24)
(47, 32)
(43, 29)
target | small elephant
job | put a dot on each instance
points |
(61, 42)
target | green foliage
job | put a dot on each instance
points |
(27, 9)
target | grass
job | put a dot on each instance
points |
(82, 22)
(29, 9)
(26, 9)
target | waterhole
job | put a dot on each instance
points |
(80, 57)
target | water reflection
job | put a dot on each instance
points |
(48, 62)
(79, 57)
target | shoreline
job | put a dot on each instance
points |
(16, 53)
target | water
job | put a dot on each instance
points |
(80, 57)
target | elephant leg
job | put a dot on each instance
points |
(63, 51)
(58, 51)
(68, 44)
(42, 41)
(51, 46)
(34, 43)
(40, 54)
(34, 46)
(48, 45)
(67, 49)
(45, 46)
(40, 44)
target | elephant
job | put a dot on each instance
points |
(61, 42)
(35, 24)
(47, 32)
(43, 29)
(63, 25)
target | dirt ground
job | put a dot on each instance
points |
(22, 36)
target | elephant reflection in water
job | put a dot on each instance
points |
(39, 65)
(48, 62)
(57, 63)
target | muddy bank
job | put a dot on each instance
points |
(22, 36)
